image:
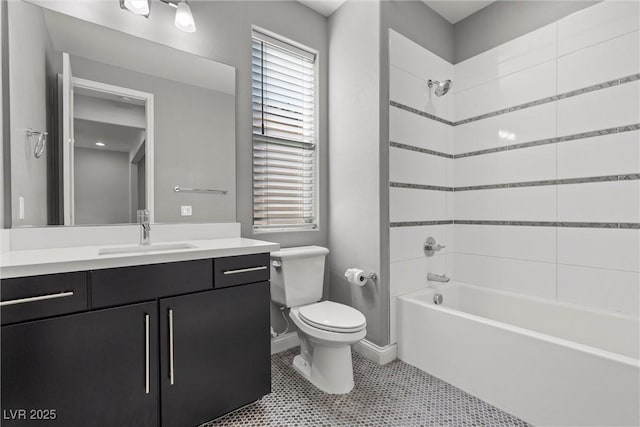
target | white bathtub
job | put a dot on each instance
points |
(547, 363)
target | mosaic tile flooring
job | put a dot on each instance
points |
(396, 394)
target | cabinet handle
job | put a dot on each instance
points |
(146, 353)
(171, 372)
(38, 298)
(245, 270)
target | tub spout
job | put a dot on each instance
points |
(432, 277)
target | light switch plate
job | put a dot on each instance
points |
(185, 211)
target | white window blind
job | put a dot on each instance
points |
(284, 136)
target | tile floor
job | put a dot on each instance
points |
(396, 394)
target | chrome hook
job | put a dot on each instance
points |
(41, 145)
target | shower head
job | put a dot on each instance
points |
(441, 87)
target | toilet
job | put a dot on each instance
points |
(326, 329)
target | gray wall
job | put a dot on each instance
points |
(416, 21)
(505, 20)
(29, 89)
(224, 34)
(101, 186)
(354, 156)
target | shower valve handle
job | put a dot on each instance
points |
(431, 247)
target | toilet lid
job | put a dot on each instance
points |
(331, 316)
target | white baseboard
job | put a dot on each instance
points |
(284, 342)
(375, 353)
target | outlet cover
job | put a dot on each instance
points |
(185, 210)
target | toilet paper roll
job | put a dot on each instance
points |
(355, 276)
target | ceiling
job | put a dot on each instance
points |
(452, 10)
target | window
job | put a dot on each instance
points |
(284, 136)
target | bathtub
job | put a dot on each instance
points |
(548, 363)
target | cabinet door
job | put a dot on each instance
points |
(90, 369)
(214, 353)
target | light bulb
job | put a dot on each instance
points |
(184, 18)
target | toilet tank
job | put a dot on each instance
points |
(297, 275)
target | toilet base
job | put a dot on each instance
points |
(329, 368)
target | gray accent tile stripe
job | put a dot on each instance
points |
(581, 91)
(420, 113)
(556, 140)
(569, 224)
(564, 181)
(419, 186)
(419, 223)
(609, 178)
(583, 135)
(419, 149)
(599, 86)
(632, 225)
(540, 223)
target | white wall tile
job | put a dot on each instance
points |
(595, 24)
(408, 242)
(527, 277)
(606, 61)
(521, 165)
(411, 275)
(523, 52)
(600, 156)
(600, 202)
(417, 168)
(410, 56)
(615, 249)
(412, 129)
(516, 204)
(601, 109)
(610, 290)
(507, 91)
(529, 124)
(412, 90)
(409, 204)
(527, 243)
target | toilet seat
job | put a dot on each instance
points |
(333, 317)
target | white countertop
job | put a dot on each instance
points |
(35, 262)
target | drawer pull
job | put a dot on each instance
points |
(38, 298)
(146, 353)
(245, 270)
(171, 372)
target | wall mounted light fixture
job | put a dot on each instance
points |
(184, 18)
(139, 7)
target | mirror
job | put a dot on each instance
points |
(104, 123)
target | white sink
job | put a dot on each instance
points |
(144, 249)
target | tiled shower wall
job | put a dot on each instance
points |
(529, 171)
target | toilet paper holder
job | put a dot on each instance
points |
(371, 276)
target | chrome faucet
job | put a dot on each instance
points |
(145, 227)
(432, 277)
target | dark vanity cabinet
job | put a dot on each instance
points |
(84, 369)
(165, 344)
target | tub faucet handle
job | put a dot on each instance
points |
(431, 247)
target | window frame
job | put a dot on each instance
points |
(298, 48)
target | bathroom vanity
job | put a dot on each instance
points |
(174, 338)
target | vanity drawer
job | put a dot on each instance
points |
(35, 297)
(125, 285)
(240, 270)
